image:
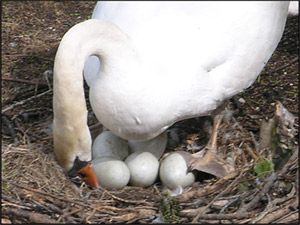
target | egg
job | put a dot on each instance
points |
(111, 172)
(173, 172)
(143, 167)
(107, 144)
(156, 145)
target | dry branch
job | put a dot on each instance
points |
(225, 191)
(31, 216)
(25, 101)
(36, 83)
(45, 193)
(285, 65)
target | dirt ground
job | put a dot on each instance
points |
(35, 190)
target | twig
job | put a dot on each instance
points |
(22, 204)
(67, 215)
(87, 219)
(228, 188)
(123, 200)
(291, 160)
(21, 93)
(264, 190)
(44, 193)
(5, 203)
(286, 218)
(228, 204)
(11, 129)
(31, 216)
(243, 156)
(269, 208)
(25, 101)
(71, 201)
(222, 216)
(205, 191)
(40, 84)
(256, 145)
(268, 185)
(279, 211)
(253, 155)
(285, 65)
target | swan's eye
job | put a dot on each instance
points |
(82, 175)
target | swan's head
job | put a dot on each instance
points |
(88, 175)
(72, 146)
(74, 166)
(85, 171)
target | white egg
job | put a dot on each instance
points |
(111, 173)
(143, 168)
(155, 145)
(107, 144)
(173, 172)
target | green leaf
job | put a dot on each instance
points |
(263, 166)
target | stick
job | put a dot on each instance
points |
(31, 216)
(24, 101)
(11, 129)
(124, 200)
(22, 204)
(278, 213)
(205, 191)
(290, 217)
(253, 155)
(219, 195)
(269, 184)
(45, 193)
(228, 216)
(285, 65)
(41, 84)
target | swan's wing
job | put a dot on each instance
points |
(207, 34)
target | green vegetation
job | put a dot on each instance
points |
(170, 207)
(263, 167)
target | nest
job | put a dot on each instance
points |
(263, 188)
(36, 190)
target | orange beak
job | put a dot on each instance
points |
(88, 175)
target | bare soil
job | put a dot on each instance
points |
(35, 189)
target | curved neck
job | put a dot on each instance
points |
(70, 131)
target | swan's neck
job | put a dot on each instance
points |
(71, 134)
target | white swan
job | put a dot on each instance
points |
(161, 62)
(293, 8)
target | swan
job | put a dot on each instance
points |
(293, 8)
(151, 64)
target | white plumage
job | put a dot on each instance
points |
(161, 62)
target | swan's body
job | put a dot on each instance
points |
(161, 62)
(293, 8)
